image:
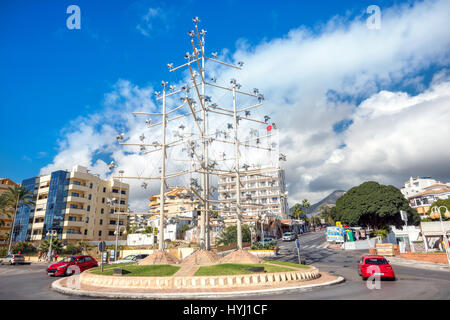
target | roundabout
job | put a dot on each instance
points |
(196, 278)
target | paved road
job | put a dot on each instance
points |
(30, 281)
(412, 283)
(26, 282)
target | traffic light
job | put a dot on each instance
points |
(155, 231)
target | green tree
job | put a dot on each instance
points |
(441, 203)
(15, 197)
(326, 213)
(375, 205)
(56, 245)
(148, 229)
(24, 248)
(297, 211)
(229, 235)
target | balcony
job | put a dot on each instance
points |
(43, 190)
(75, 211)
(72, 223)
(36, 237)
(77, 199)
(72, 236)
(78, 187)
(39, 214)
(38, 225)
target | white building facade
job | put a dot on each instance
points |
(262, 191)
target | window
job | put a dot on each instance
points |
(100, 233)
(102, 211)
(87, 259)
(101, 221)
(74, 194)
(85, 232)
(76, 183)
(74, 206)
(87, 220)
(122, 201)
(376, 261)
(88, 208)
(115, 190)
(103, 200)
(123, 192)
(90, 186)
(90, 197)
(112, 221)
(111, 211)
(110, 233)
(104, 189)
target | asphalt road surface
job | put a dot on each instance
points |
(412, 283)
(31, 282)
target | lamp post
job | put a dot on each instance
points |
(51, 233)
(116, 233)
(437, 211)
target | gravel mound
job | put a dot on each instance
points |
(241, 256)
(159, 257)
(202, 257)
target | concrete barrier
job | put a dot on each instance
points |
(197, 282)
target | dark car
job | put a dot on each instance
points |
(69, 265)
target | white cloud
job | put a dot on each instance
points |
(311, 81)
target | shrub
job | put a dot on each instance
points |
(24, 248)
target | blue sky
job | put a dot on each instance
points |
(51, 77)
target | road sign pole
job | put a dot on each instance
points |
(297, 243)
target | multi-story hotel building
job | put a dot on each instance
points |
(178, 202)
(422, 201)
(6, 218)
(263, 190)
(78, 205)
(417, 185)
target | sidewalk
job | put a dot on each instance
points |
(419, 264)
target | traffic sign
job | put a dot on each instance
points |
(101, 246)
(297, 243)
(404, 215)
(338, 224)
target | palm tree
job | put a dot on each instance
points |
(14, 197)
(56, 245)
(306, 205)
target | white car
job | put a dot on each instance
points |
(131, 258)
(288, 236)
(13, 259)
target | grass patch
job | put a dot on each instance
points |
(159, 270)
(235, 268)
(284, 263)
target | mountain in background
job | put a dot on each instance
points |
(328, 200)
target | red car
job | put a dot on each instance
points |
(376, 266)
(68, 266)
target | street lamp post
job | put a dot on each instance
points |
(116, 233)
(51, 233)
(437, 210)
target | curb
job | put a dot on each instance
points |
(419, 264)
(189, 295)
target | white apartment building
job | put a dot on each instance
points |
(263, 190)
(417, 185)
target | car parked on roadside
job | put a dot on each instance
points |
(375, 266)
(289, 236)
(69, 265)
(13, 259)
(131, 258)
